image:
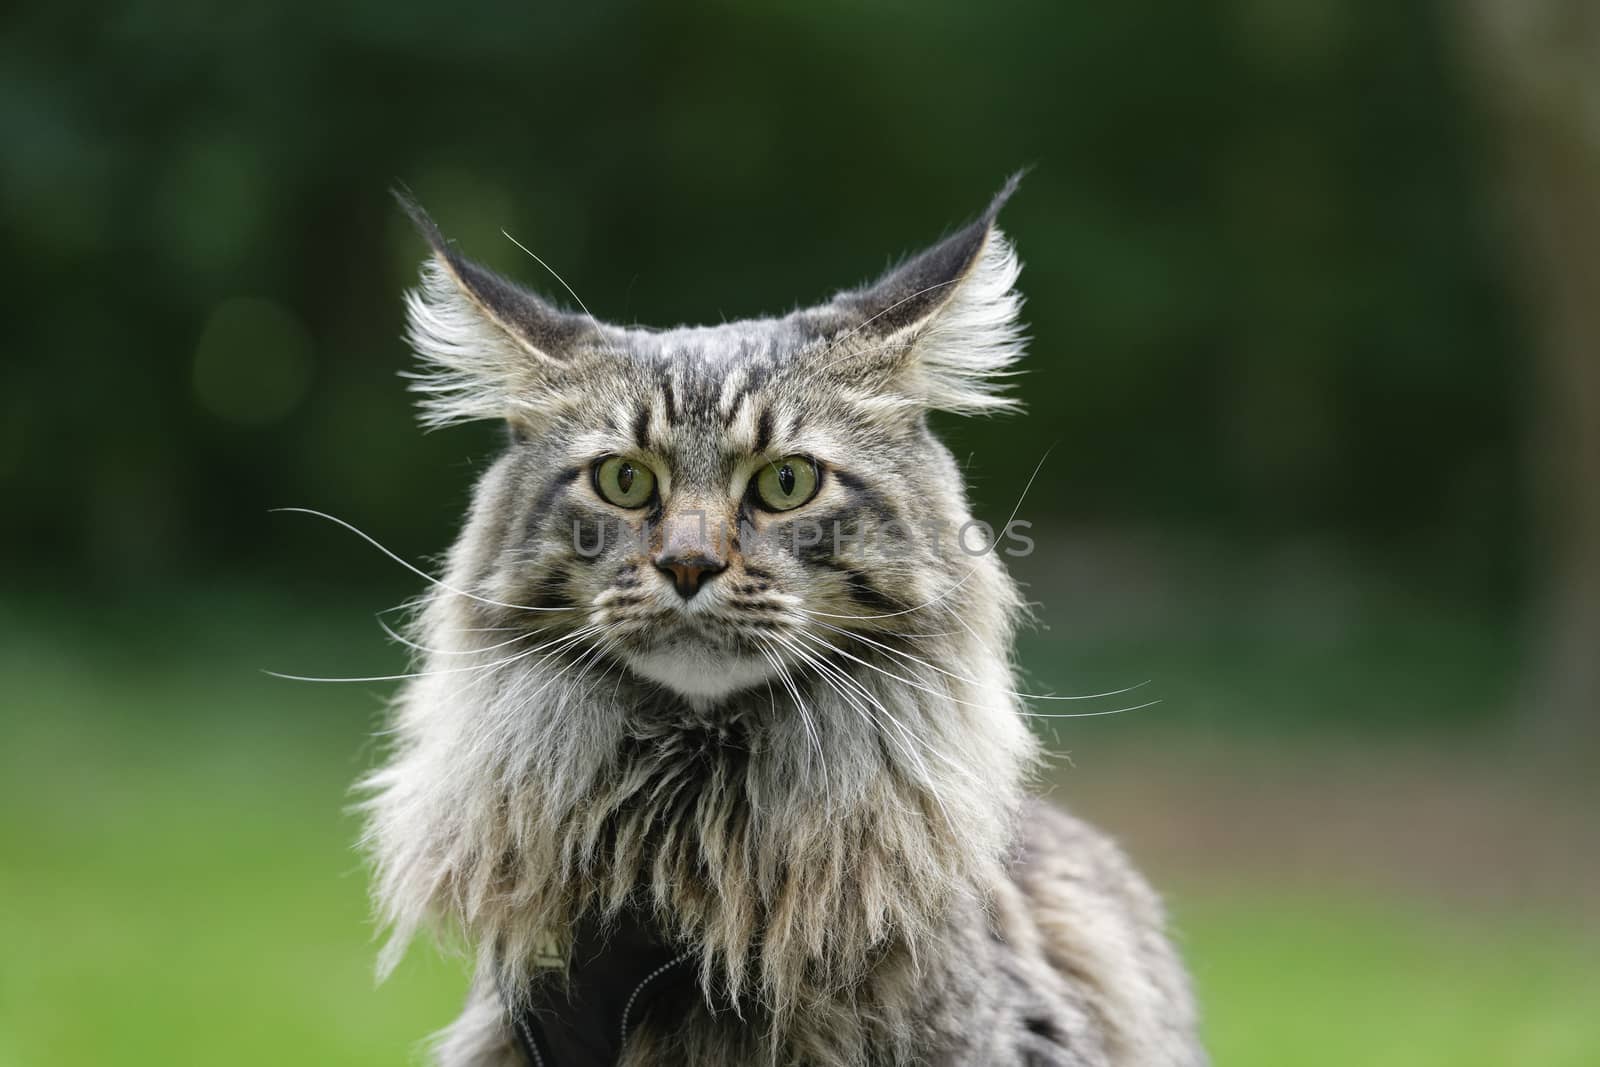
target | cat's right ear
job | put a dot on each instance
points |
(490, 349)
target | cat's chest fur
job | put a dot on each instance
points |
(967, 980)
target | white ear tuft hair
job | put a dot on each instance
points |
(961, 358)
(940, 330)
(489, 348)
(469, 365)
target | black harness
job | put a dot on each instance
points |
(614, 976)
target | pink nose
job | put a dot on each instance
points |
(689, 572)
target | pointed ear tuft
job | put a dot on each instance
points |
(943, 325)
(489, 348)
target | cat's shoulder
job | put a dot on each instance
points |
(1100, 926)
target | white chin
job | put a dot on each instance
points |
(700, 673)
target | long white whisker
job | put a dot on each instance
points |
(397, 636)
(605, 645)
(1086, 714)
(887, 674)
(825, 669)
(976, 637)
(871, 719)
(973, 681)
(805, 718)
(970, 704)
(856, 684)
(524, 654)
(554, 275)
(557, 646)
(419, 572)
(802, 660)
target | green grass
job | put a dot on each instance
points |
(1313, 981)
(177, 886)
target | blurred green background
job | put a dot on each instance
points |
(1314, 288)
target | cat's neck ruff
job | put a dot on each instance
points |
(787, 836)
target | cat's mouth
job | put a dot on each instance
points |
(703, 648)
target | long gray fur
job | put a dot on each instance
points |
(812, 774)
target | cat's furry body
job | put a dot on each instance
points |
(811, 774)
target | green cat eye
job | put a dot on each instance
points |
(627, 483)
(787, 484)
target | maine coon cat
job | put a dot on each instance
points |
(710, 672)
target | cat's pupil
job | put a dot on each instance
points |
(625, 477)
(786, 479)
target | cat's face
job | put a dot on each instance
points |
(707, 504)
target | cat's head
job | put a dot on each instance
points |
(707, 504)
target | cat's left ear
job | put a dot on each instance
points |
(490, 349)
(938, 331)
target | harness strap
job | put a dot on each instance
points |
(613, 976)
